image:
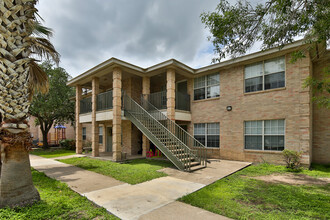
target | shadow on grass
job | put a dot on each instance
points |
(153, 162)
(320, 167)
(134, 172)
(57, 202)
(299, 201)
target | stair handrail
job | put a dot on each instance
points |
(186, 148)
(194, 143)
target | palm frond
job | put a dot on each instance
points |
(38, 79)
(41, 30)
(44, 49)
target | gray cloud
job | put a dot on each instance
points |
(143, 32)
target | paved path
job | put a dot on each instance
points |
(155, 199)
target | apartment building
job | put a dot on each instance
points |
(249, 109)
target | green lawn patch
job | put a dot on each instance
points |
(241, 197)
(51, 153)
(58, 201)
(132, 172)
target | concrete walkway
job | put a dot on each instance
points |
(155, 199)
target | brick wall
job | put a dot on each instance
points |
(136, 144)
(321, 120)
(157, 82)
(36, 132)
(34, 129)
(290, 103)
(127, 137)
(136, 88)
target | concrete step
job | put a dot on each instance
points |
(197, 167)
(193, 164)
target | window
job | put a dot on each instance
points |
(206, 87)
(208, 134)
(101, 135)
(264, 135)
(84, 133)
(269, 74)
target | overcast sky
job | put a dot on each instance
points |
(142, 32)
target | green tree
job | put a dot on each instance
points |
(236, 28)
(54, 107)
(21, 38)
(320, 88)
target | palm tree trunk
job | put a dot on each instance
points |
(16, 186)
(19, 77)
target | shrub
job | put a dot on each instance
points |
(68, 144)
(87, 144)
(292, 159)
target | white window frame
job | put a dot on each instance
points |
(206, 86)
(263, 74)
(263, 135)
(206, 134)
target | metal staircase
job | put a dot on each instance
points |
(182, 149)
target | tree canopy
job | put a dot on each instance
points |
(56, 106)
(274, 23)
(235, 28)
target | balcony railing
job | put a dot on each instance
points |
(159, 100)
(104, 101)
(86, 105)
(182, 101)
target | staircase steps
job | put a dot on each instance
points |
(169, 137)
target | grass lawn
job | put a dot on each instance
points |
(241, 197)
(51, 153)
(133, 172)
(58, 201)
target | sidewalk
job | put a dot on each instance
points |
(155, 199)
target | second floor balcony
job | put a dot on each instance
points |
(159, 100)
(104, 102)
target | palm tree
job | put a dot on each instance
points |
(22, 38)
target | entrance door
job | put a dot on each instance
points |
(182, 101)
(109, 140)
(182, 87)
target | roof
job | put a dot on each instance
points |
(113, 62)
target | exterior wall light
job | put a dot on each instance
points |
(229, 108)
